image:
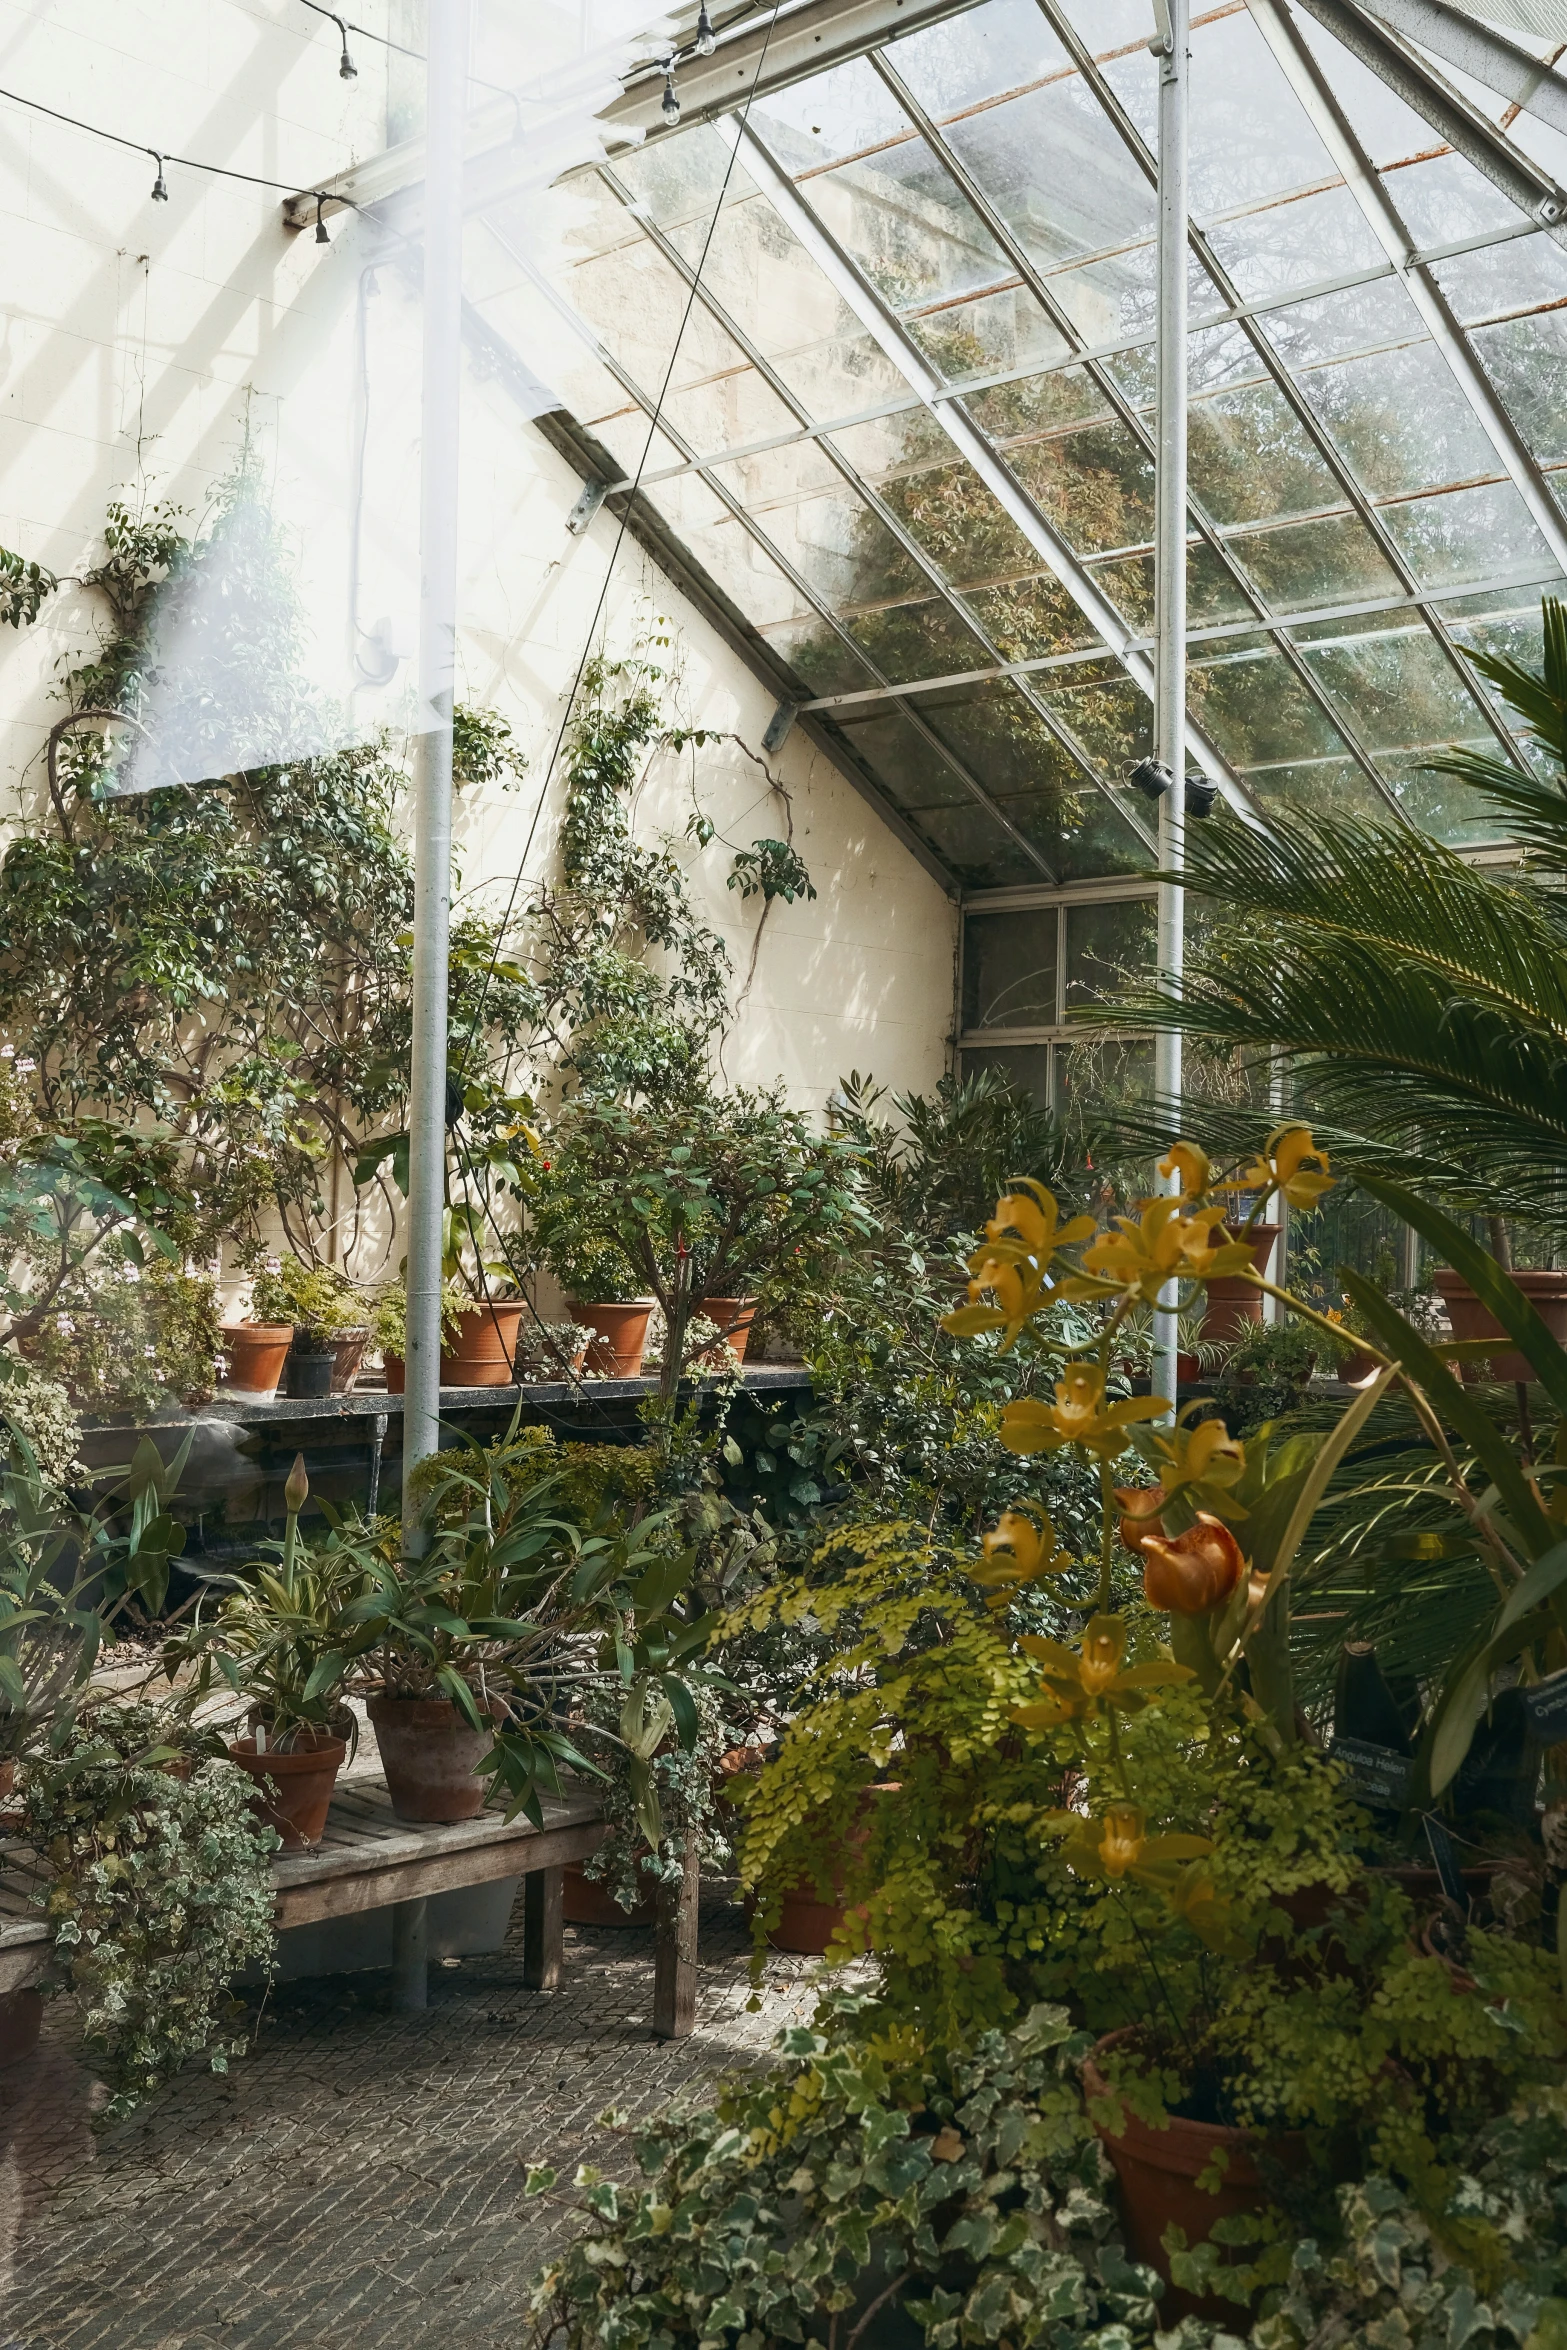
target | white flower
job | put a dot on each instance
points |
(151, 1353)
(25, 1068)
(65, 1326)
(7, 1052)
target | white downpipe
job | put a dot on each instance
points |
(1170, 576)
(447, 86)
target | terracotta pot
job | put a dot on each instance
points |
(585, 1902)
(807, 1923)
(1546, 1292)
(1158, 2170)
(619, 1338)
(396, 1374)
(734, 1316)
(483, 1346)
(21, 2022)
(430, 1756)
(293, 1789)
(1233, 1302)
(1357, 1368)
(348, 1352)
(256, 1353)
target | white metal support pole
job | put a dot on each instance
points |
(447, 87)
(1170, 573)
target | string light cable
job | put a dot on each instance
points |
(162, 156)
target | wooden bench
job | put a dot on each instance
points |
(370, 1859)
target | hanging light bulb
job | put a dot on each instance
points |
(160, 186)
(706, 38)
(321, 236)
(347, 70)
(670, 109)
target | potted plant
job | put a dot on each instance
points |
(326, 1315)
(283, 1638)
(477, 1344)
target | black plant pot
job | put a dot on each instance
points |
(309, 1373)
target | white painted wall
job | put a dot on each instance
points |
(139, 339)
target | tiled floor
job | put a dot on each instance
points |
(355, 2183)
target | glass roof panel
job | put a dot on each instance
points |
(1255, 707)
(1470, 534)
(1443, 804)
(954, 579)
(969, 58)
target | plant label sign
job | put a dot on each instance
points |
(1546, 1706)
(1446, 1860)
(1377, 1775)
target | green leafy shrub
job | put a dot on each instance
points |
(159, 1892)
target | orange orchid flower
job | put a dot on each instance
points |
(1196, 1571)
(1079, 1415)
(1084, 1681)
(1019, 1549)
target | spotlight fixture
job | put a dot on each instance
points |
(1151, 777)
(347, 70)
(706, 39)
(670, 109)
(160, 186)
(1202, 793)
(321, 236)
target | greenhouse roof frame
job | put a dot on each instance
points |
(1372, 670)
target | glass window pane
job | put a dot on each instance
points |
(1026, 1066)
(1401, 419)
(990, 49)
(1009, 969)
(1471, 534)
(1250, 137)
(729, 408)
(1360, 318)
(818, 656)
(1039, 404)
(959, 523)
(1107, 945)
(1097, 841)
(1002, 740)
(1029, 619)
(842, 550)
(1213, 596)
(923, 639)
(1293, 243)
(1095, 485)
(1510, 276)
(973, 847)
(909, 768)
(1319, 787)
(836, 113)
(987, 334)
(1444, 804)
(724, 546)
(1445, 198)
(1256, 708)
(1055, 170)
(1107, 714)
(1251, 460)
(1100, 1078)
(1306, 564)
(899, 215)
(1525, 358)
(1396, 686)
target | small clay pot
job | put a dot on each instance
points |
(734, 1316)
(21, 2022)
(619, 1338)
(294, 1788)
(807, 1923)
(348, 1350)
(255, 1353)
(1158, 2171)
(586, 1902)
(430, 1754)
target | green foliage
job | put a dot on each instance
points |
(859, 2171)
(25, 588)
(318, 1298)
(712, 1196)
(770, 869)
(484, 750)
(159, 1891)
(1266, 1373)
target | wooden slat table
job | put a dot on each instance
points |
(370, 1859)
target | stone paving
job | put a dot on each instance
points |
(356, 2182)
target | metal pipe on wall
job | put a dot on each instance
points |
(1172, 48)
(447, 89)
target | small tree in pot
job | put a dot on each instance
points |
(718, 1196)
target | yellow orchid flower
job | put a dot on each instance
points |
(1079, 1415)
(1019, 1549)
(1138, 1256)
(1290, 1164)
(1090, 1679)
(1118, 1845)
(1013, 1264)
(1189, 1161)
(1205, 1455)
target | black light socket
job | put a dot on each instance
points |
(1202, 795)
(1152, 778)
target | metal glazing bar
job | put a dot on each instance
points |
(911, 363)
(1366, 186)
(1170, 519)
(1459, 124)
(1483, 53)
(1283, 378)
